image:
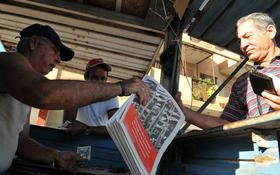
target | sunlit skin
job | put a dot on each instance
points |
(260, 47)
(45, 57)
(27, 84)
(255, 44)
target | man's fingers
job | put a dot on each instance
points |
(178, 96)
(178, 99)
(278, 91)
(68, 130)
(70, 161)
(141, 95)
(135, 85)
(271, 97)
(272, 100)
(142, 90)
(145, 93)
(273, 105)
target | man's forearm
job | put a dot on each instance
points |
(66, 94)
(201, 120)
(53, 94)
(32, 150)
(98, 130)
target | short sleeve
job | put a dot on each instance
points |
(236, 108)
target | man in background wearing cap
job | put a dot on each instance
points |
(91, 119)
(22, 84)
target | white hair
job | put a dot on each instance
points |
(261, 20)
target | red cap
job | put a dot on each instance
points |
(96, 62)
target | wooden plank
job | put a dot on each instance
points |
(111, 78)
(45, 16)
(131, 57)
(83, 51)
(266, 121)
(80, 64)
(180, 7)
(108, 43)
(204, 156)
(154, 57)
(117, 72)
(83, 47)
(118, 5)
(19, 23)
(112, 47)
(69, 69)
(204, 46)
(103, 153)
(134, 62)
(89, 12)
(10, 39)
(111, 58)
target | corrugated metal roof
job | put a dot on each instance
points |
(214, 20)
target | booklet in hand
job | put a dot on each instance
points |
(142, 133)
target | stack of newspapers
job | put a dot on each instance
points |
(142, 133)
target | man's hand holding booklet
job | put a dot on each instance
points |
(143, 133)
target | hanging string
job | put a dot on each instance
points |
(168, 20)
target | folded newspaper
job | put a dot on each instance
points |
(142, 133)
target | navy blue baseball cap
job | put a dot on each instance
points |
(66, 53)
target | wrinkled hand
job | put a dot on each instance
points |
(272, 100)
(137, 86)
(75, 128)
(178, 99)
(69, 161)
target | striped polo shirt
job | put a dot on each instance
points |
(242, 102)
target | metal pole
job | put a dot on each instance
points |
(172, 36)
(215, 93)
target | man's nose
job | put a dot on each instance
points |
(58, 59)
(243, 45)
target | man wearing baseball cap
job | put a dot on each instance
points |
(22, 84)
(91, 119)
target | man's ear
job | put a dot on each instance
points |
(32, 42)
(271, 30)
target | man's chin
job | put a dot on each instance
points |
(51, 69)
(45, 73)
(252, 58)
